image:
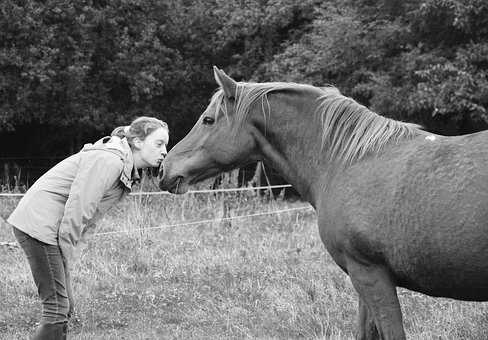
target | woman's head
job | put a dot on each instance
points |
(148, 138)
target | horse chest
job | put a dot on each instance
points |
(349, 232)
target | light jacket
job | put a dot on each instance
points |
(68, 199)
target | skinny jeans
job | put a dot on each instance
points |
(50, 276)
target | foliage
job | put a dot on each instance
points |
(76, 69)
(422, 61)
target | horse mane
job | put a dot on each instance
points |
(349, 129)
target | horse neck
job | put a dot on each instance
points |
(290, 141)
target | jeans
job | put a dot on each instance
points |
(50, 276)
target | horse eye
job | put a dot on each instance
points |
(208, 120)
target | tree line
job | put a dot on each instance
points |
(70, 70)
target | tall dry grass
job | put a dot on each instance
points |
(258, 278)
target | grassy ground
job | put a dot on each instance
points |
(258, 278)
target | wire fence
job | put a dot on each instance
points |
(221, 219)
(206, 221)
(151, 193)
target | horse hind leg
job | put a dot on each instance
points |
(378, 294)
(366, 324)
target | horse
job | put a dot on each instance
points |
(396, 206)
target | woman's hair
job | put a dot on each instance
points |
(140, 127)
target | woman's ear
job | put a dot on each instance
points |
(137, 143)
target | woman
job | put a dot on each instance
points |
(55, 213)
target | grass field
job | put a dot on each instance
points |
(264, 277)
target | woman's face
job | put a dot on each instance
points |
(151, 151)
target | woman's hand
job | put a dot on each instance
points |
(69, 291)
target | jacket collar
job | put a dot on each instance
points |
(120, 147)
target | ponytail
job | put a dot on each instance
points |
(120, 131)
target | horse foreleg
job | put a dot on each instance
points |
(366, 325)
(378, 292)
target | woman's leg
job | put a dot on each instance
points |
(49, 275)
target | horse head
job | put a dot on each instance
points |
(219, 141)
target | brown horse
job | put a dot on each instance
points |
(396, 206)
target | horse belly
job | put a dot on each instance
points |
(439, 283)
(454, 265)
(438, 257)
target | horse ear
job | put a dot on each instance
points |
(228, 84)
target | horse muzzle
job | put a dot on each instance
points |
(175, 183)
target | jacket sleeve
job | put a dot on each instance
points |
(97, 172)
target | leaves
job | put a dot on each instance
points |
(83, 67)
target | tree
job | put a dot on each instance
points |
(422, 62)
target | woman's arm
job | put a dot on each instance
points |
(97, 172)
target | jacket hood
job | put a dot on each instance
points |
(120, 147)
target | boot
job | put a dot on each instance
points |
(51, 331)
